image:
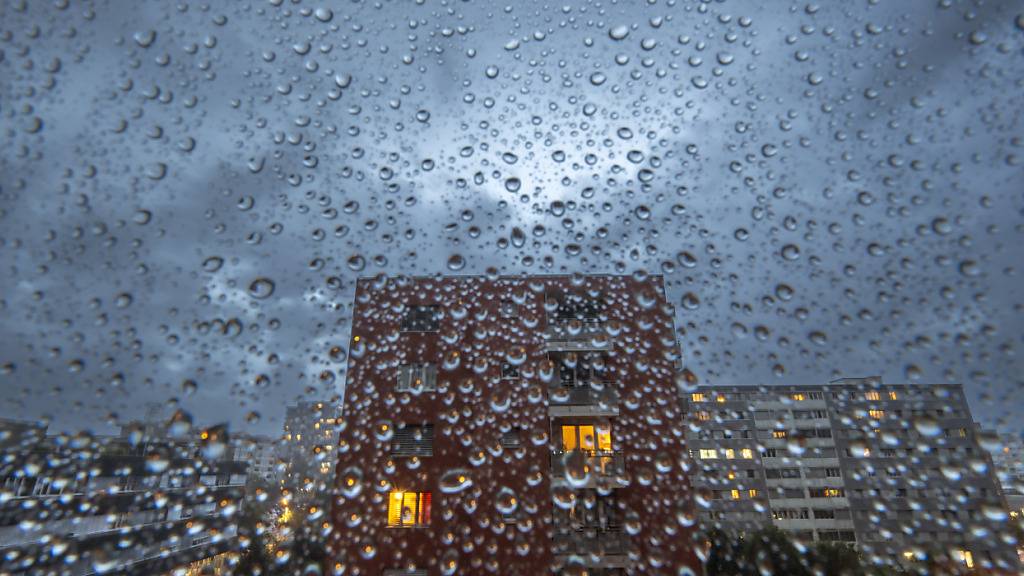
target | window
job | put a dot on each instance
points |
(826, 492)
(832, 472)
(876, 414)
(824, 433)
(872, 396)
(417, 377)
(708, 454)
(509, 309)
(824, 514)
(703, 415)
(720, 398)
(735, 494)
(790, 514)
(746, 454)
(730, 454)
(798, 396)
(893, 395)
(587, 437)
(768, 453)
(511, 439)
(413, 440)
(965, 557)
(752, 492)
(698, 397)
(408, 509)
(962, 432)
(421, 319)
(815, 395)
(779, 434)
(509, 372)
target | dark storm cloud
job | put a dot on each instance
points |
(278, 165)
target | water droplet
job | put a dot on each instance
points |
(456, 262)
(261, 288)
(212, 264)
(618, 32)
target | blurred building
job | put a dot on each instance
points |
(260, 453)
(514, 426)
(130, 504)
(306, 448)
(896, 470)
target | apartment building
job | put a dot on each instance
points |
(896, 470)
(306, 446)
(260, 453)
(513, 426)
(128, 504)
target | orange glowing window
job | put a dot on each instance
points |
(872, 396)
(406, 509)
(587, 437)
(698, 397)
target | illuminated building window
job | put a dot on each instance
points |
(965, 557)
(408, 509)
(876, 414)
(703, 415)
(720, 399)
(798, 396)
(872, 396)
(730, 453)
(752, 492)
(698, 397)
(779, 434)
(893, 395)
(747, 454)
(708, 454)
(587, 437)
(417, 377)
(963, 432)
(735, 494)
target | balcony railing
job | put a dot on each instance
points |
(585, 467)
(597, 394)
(591, 541)
(576, 335)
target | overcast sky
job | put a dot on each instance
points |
(189, 190)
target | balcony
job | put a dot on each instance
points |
(576, 336)
(588, 469)
(600, 548)
(592, 399)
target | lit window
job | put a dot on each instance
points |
(752, 492)
(833, 492)
(893, 395)
(720, 399)
(966, 557)
(698, 397)
(747, 454)
(703, 415)
(730, 453)
(732, 476)
(872, 396)
(587, 437)
(735, 494)
(779, 434)
(963, 432)
(708, 454)
(407, 509)
(876, 414)
(798, 396)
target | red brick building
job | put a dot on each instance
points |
(515, 426)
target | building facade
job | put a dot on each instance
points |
(896, 470)
(513, 426)
(306, 447)
(260, 453)
(130, 504)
